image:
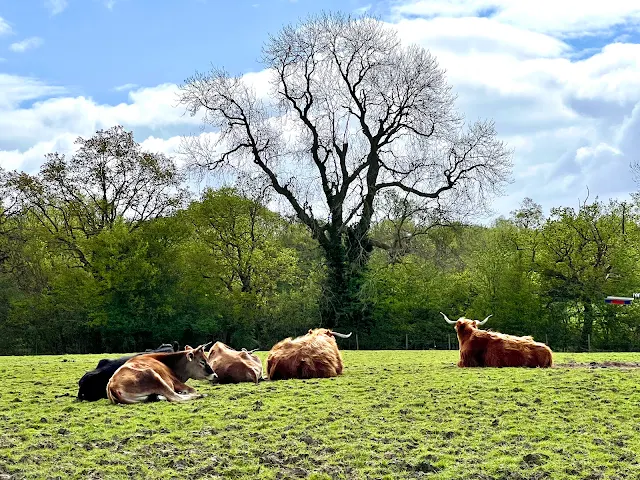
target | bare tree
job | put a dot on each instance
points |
(351, 114)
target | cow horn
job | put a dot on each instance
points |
(485, 320)
(202, 347)
(446, 319)
(341, 335)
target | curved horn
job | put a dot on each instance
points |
(254, 350)
(202, 347)
(485, 320)
(446, 319)
(341, 335)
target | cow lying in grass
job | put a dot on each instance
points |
(314, 355)
(233, 366)
(160, 376)
(481, 348)
(93, 384)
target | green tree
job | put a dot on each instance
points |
(109, 178)
(585, 256)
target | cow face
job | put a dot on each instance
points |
(197, 366)
(465, 325)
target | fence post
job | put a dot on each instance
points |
(589, 341)
(357, 345)
(546, 339)
(406, 341)
(449, 340)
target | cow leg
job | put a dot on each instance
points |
(181, 387)
(141, 386)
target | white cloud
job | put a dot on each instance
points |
(109, 4)
(56, 6)
(480, 35)
(259, 82)
(26, 44)
(5, 28)
(28, 130)
(14, 90)
(125, 87)
(566, 17)
(30, 159)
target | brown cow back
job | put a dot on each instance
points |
(314, 355)
(233, 366)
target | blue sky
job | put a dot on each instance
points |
(560, 78)
(93, 46)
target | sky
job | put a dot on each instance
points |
(561, 78)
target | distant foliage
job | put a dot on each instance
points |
(86, 266)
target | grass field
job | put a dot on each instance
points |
(393, 414)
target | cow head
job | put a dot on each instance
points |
(197, 366)
(465, 324)
(328, 333)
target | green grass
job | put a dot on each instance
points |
(392, 414)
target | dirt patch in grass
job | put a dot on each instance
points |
(605, 364)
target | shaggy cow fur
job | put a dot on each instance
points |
(482, 348)
(314, 355)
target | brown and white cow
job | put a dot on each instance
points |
(481, 348)
(233, 366)
(160, 376)
(314, 355)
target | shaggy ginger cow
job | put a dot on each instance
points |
(314, 355)
(480, 348)
(232, 366)
(160, 376)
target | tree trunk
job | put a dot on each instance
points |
(587, 327)
(342, 306)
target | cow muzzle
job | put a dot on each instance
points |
(213, 378)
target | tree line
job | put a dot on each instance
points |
(104, 251)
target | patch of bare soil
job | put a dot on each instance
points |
(606, 364)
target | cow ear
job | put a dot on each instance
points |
(310, 330)
(190, 355)
(475, 323)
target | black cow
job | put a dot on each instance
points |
(93, 384)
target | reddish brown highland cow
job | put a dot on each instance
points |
(481, 348)
(314, 355)
(233, 366)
